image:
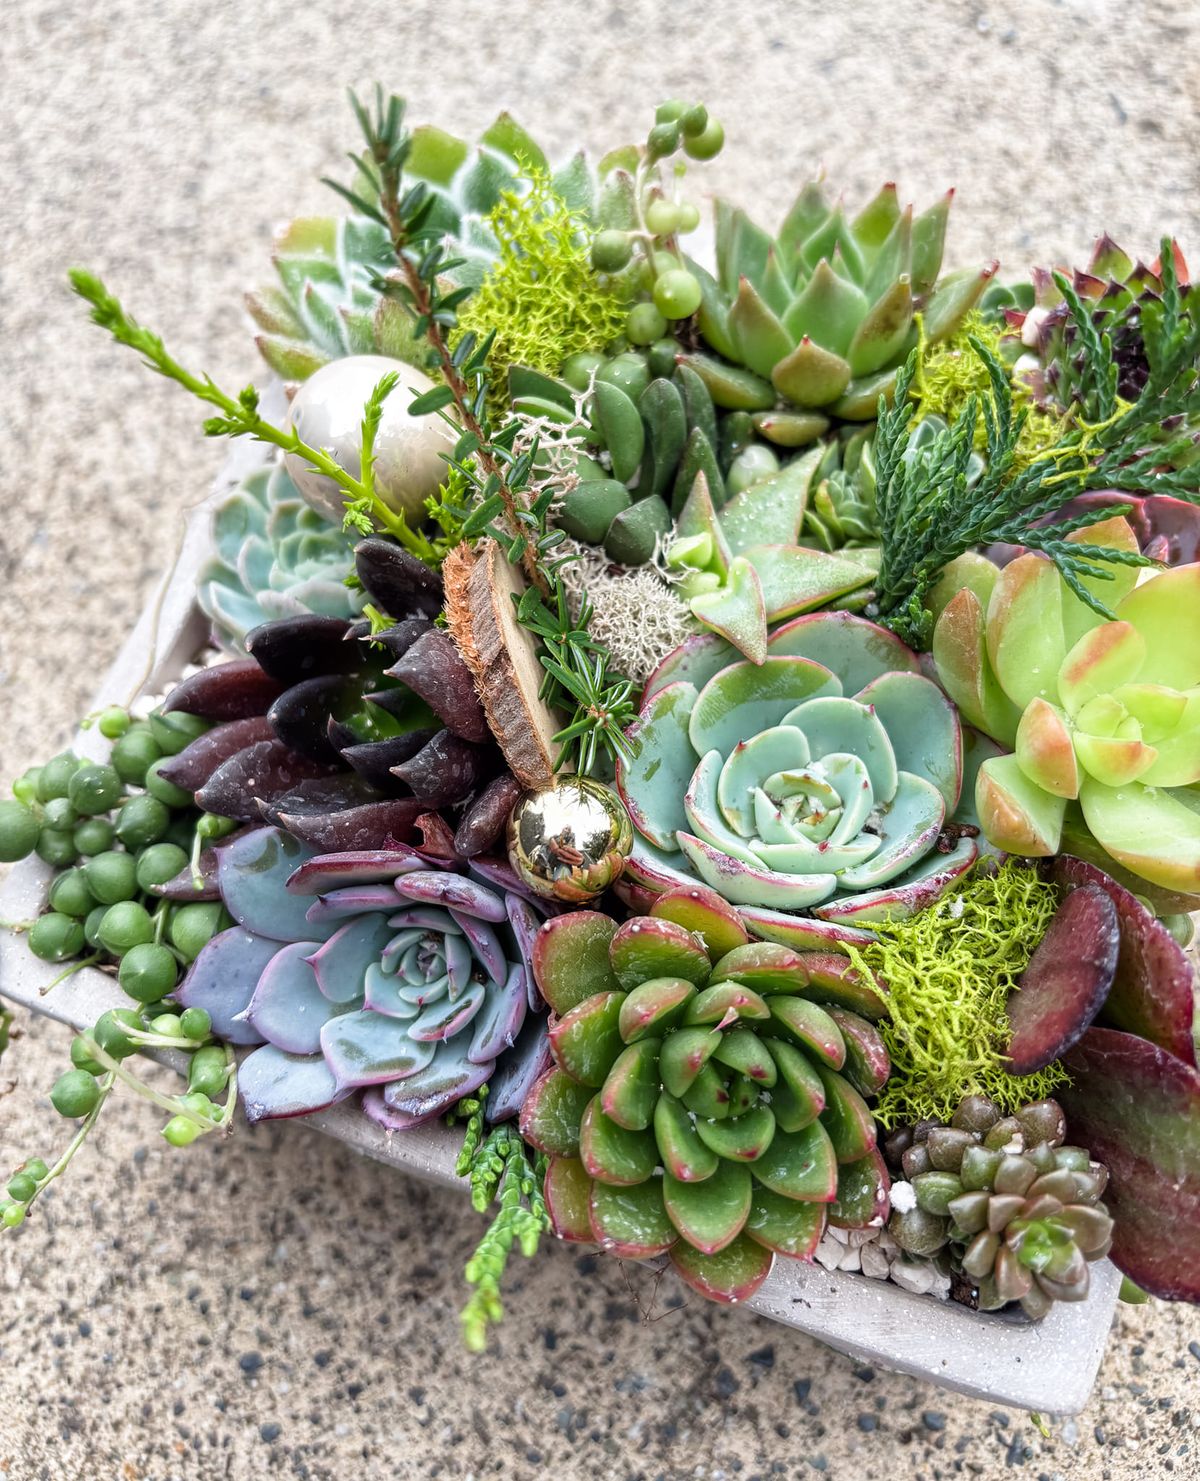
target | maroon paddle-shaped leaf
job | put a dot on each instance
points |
(484, 820)
(398, 583)
(371, 825)
(1137, 1109)
(263, 771)
(227, 691)
(1152, 992)
(374, 760)
(345, 868)
(1066, 982)
(446, 770)
(433, 669)
(292, 649)
(195, 764)
(300, 716)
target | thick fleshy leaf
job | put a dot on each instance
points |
(300, 716)
(737, 610)
(227, 691)
(1150, 830)
(856, 650)
(795, 579)
(446, 770)
(683, 1056)
(496, 1026)
(288, 1008)
(222, 980)
(433, 669)
(325, 872)
(631, 1222)
(863, 1187)
(376, 1108)
(352, 900)
(1102, 660)
(436, 1087)
(364, 1048)
(652, 784)
(568, 1193)
(484, 819)
(253, 870)
(770, 511)
(1017, 815)
(833, 723)
(743, 1051)
(1153, 990)
(916, 889)
(613, 1154)
(763, 966)
(723, 1003)
(745, 698)
(338, 825)
(846, 1118)
(587, 1040)
(965, 670)
(375, 761)
(631, 1089)
(570, 958)
(802, 932)
(808, 1026)
(1161, 609)
(732, 1275)
(518, 1071)
(785, 1225)
(193, 766)
(525, 922)
(694, 662)
(741, 1138)
(340, 965)
(1137, 1109)
(834, 981)
(923, 728)
(705, 914)
(553, 1112)
(799, 1165)
(1045, 749)
(744, 884)
(273, 1084)
(396, 581)
(1026, 643)
(259, 772)
(1066, 982)
(647, 947)
(778, 748)
(684, 1155)
(711, 1214)
(867, 1065)
(909, 826)
(454, 891)
(292, 649)
(655, 1006)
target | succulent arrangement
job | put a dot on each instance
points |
(728, 741)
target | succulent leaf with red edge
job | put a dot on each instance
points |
(696, 1083)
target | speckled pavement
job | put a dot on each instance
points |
(273, 1308)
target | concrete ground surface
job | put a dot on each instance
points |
(272, 1307)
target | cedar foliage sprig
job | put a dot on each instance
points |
(493, 493)
(499, 1166)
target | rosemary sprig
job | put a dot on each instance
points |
(239, 416)
(491, 492)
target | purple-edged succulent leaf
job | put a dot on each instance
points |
(293, 649)
(369, 826)
(364, 1048)
(351, 900)
(376, 1109)
(227, 691)
(630, 1223)
(804, 932)
(497, 875)
(519, 1070)
(485, 944)
(694, 662)
(273, 1084)
(350, 867)
(647, 947)
(440, 1084)
(785, 1225)
(1137, 1109)
(195, 764)
(300, 716)
(484, 820)
(570, 958)
(397, 583)
(553, 1112)
(374, 760)
(433, 669)
(446, 1018)
(863, 1190)
(339, 965)
(731, 1275)
(1153, 989)
(222, 980)
(705, 914)
(454, 891)
(503, 1015)
(867, 1065)
(446, 770)
(288, 1008)
(260, 772)
(525, 924)
(1066, 982)
(832, 980)
(253, 870)
(568, 1192)
(915, 890)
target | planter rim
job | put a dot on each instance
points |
(1048, 1366)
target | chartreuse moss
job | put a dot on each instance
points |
(542, 296)
(949, 970)
(952, 371)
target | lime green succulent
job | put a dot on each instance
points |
(1100, 717)
(824, 314)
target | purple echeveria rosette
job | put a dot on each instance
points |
(387, 971)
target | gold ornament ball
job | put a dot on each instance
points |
(570, 841)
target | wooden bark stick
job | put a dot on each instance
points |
(502, 657)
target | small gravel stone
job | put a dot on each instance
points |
(250, 1363)
(867, 1423)
(1194, 1349)
(933, 1419)
(801, 1387)
(270, 1432)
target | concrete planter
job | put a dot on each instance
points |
(1049, 1366)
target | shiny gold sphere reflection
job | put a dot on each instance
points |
(569, 842)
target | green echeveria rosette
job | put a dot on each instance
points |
(702, 1101)
(1102, 718)
(818, 781)
(1019, 1212)
(273, 556)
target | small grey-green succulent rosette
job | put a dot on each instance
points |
(273, 556)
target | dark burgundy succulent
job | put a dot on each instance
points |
(1167, 529)
(344, 736)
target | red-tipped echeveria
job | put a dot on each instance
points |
(818, 781)
(701, 1098)
(388, 970)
